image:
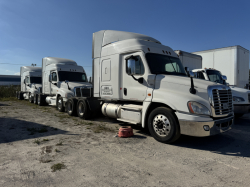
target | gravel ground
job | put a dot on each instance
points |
(87, 153)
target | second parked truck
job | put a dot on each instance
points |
(138, 80)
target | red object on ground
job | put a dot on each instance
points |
(125, 132)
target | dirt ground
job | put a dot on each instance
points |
(41, 147)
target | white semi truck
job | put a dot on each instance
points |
(232, 61)
(60, 78)
(241, 97)
(138, 80)
(31, 81)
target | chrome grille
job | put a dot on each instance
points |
(83, 91)
(222, 101)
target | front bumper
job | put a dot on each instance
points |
(196, 128)
(241, 108)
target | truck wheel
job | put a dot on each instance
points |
(20, 96)
(39, 100)
(163, 125)
(59, 104)
(238, 115)
(71, 107)
(30, 98)
(35, 99)
(82, 109)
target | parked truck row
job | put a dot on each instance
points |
(137, 80)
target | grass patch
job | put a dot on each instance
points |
(45, 140)
(45, 161)
(59, 143)
(9, 92)
(37, 141)
(56, 150)
(57, 166)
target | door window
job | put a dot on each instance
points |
(27, 80)
(139, 68)
(54, 76)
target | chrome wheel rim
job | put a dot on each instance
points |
(70, 106)
(81, 108)
(30, 98)
(59, 104)
(161, 125)
(38, 100)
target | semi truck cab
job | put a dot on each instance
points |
(143, 82)
(241, 97)
(31, 81)
(61, 77)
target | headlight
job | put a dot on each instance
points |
(238, 99)
(197, 108)
(69, 95)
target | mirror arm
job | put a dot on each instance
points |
(192, 89)
(140, 80)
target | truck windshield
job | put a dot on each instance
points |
(215, 76)
(72, 76)
(37, 80)
(162, 64)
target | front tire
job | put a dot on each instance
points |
(59, 104)
(163, 125)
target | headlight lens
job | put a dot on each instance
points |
(197, 108)
(238, 99)
(69, 95)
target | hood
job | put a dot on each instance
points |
(72, 85)
(237, 89)
(36, 86)
(184, 80)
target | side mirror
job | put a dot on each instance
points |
(191, 74)
(224, 77)
(50, 78)
(130, 65)
(24, 81)
(90, 80)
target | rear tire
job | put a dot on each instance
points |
(163, 125)
(71, 107)
(20, 96)
(238, 115)
(82, 109)
(40, 100)
(59, 104)
(30, 98)
(35, 99)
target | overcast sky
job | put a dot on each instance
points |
(33, 29)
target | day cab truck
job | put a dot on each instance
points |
(138, 80)
(241, 97)
(31, 81)
(60, 78)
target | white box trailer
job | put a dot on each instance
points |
(230, 61)
(192, 61)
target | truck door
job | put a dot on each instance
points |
(53, 83)
(27, 82)
(132, 89)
